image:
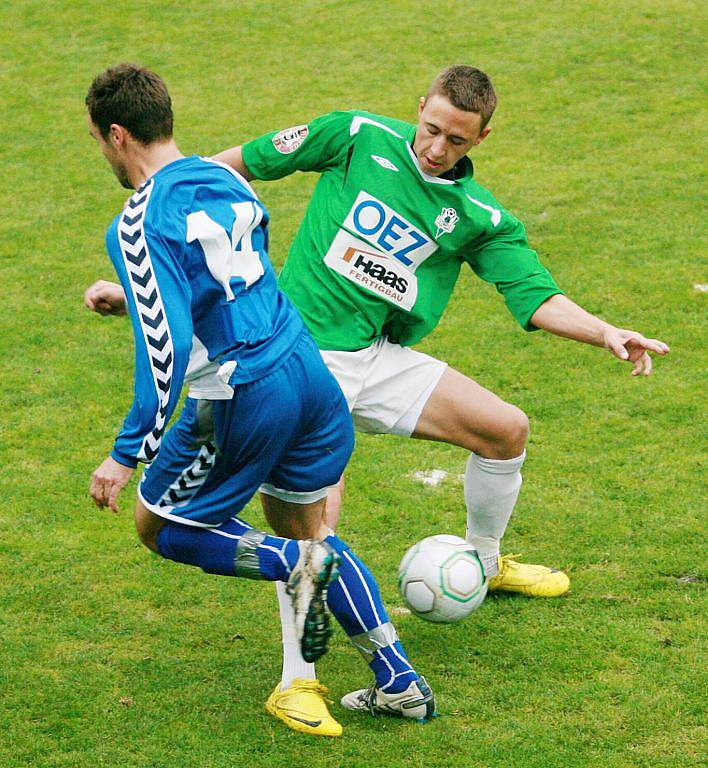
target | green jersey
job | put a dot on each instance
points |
(381, 244)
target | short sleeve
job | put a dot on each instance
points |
(505, 259)
(313, 146)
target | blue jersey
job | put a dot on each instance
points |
(191, 252)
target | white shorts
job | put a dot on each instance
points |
(386, 385)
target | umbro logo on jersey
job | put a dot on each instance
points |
(446, 221)
(384, 163)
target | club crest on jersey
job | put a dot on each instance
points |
(384, 163)
(290, 139)
(446, 221)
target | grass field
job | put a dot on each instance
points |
(112, 657)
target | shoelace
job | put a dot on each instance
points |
(506, 561)
(316, 687)
(369, 698)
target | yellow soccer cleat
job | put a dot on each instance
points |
(303, 708)
(530, 580)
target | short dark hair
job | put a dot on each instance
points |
(467, 88)
(133, 97)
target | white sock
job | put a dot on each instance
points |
(293, 663)
(491, 489)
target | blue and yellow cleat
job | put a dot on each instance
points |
(303, 708)
(527, 579)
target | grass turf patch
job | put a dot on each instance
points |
(113, 657)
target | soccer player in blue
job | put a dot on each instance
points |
(262, 411)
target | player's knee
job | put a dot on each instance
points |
(509, 436)
(147, 526)
(147, 537)
(514, 432)
(294, 520)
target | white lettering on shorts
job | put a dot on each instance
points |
(290, 139)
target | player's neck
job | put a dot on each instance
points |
(148, 160)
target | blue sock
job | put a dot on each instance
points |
(355, 601)
(216, 550)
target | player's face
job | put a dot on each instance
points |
(111, 155)
(444, 134)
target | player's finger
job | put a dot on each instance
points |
(642, 365)
(104, 308)
(657, 346)
(647, 364)
(92, 295)
(653, 345)
(96, 491)
(113, 497)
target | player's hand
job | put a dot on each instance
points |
(107, 482)
(634, 348)
(105, 298)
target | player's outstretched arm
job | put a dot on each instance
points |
(106, 298)
(234, 158)
(563, 317)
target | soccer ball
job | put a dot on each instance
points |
(441, 579)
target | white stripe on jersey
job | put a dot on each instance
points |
(150, 310)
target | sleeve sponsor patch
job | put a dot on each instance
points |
(290, 139)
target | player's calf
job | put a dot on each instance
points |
(236, 549)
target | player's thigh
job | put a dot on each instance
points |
(462, 412)
(349, 369)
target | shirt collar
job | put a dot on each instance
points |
(463, 169)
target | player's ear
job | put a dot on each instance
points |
(116, 135)
(421, 105)
(483, 134)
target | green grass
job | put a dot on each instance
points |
(112, 657)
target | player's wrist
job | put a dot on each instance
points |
(124, 459)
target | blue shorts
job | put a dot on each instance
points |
(290, 429)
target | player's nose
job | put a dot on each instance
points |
(437, 149)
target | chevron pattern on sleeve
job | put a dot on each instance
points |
(185, 487)
(150, 309)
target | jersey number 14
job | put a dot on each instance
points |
(229, 257)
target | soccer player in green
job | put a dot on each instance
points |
(395, 214)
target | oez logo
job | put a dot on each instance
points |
(388, 231)
(379, 250)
